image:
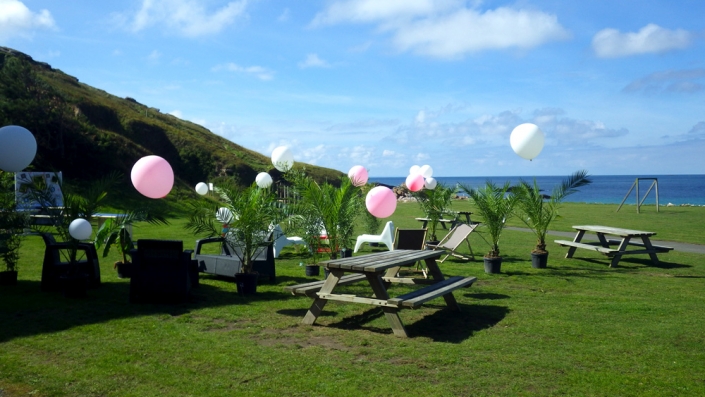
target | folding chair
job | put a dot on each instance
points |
(453, 240)
(411, 239)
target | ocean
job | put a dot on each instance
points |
(604, 189)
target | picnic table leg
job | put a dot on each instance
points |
(650, 248)
(437, 275)
(391, 313)
(622, 248)
(603, 240)
(318, 304)
(578, 237)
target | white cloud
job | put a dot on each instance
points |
(260, 72)
(177, 113)
(186, 17)
(611, 43)
(313, 61)
(18, 20)
(447, 29)
(678, 81)
(468, 31)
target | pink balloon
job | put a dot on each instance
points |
(381, 202)
(152, 176)
(358, 175)
(415, 182)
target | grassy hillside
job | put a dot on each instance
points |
(86, 132)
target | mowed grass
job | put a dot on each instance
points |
(577, 328)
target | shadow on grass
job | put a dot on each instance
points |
(26, 311)
(626, 261)
(443, 325)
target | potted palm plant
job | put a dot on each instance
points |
(325, 207)
(495, 205)
(435, 203)
(12, 224)
(117, 231)
(75, 206)
(248, 215)
(537, 211)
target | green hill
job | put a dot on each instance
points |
(86, 132)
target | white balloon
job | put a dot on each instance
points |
(282, 159)
(263, 180)
(17, 148)
(426, 171)
(430, 183)
(527, 140)
(201, 188)
(80, 229)
(415, 169)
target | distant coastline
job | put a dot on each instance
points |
(685, 189)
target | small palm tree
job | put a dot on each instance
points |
(495, 205)
(538, 211)
(333, 208)
(435, 203)
(116, 231)
(251, 212)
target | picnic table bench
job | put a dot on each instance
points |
(604, 244)
(380, 270)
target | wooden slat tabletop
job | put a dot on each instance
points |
(613, 230)
(381, 261)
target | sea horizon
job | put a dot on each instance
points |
(675, 189)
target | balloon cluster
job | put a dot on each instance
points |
(420, 177)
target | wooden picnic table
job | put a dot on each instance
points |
(380, 270)
(622, 244)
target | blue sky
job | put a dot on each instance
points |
(616, 87)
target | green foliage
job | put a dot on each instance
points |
(326, 206)
(581, 327)
(12, 223)
(495, 205)
(116, 231)
(86, 133)
(250, 214)
(435, 203)
(537, 212)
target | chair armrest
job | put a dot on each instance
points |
(199, 243)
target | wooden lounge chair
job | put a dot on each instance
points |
(386, 238)
(453, 239)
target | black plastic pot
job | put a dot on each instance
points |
(8, 277)
(346, 253)
(539, 261)
(124, 270)
(313, 270)
(246, 283)
(493, 265)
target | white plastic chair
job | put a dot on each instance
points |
(386, 238)
(281, 240)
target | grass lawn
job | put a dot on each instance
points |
(576, 328)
